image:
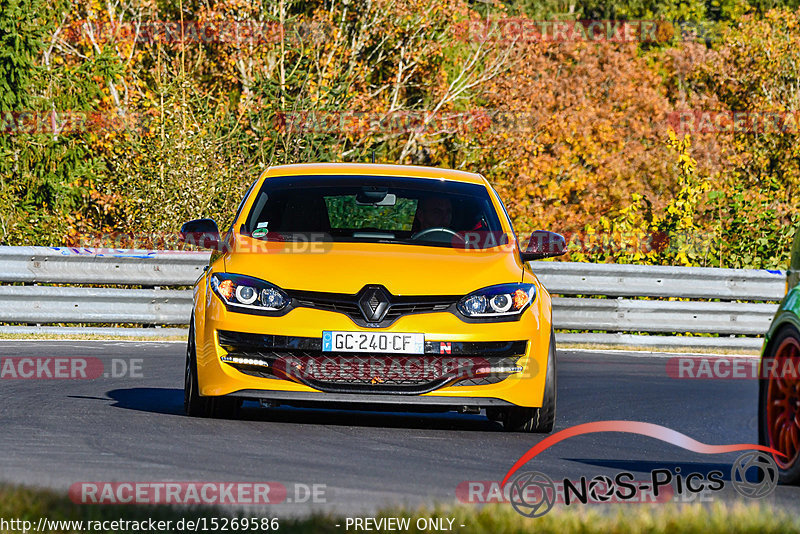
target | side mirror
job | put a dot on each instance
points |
(201, 233)
(544, 244)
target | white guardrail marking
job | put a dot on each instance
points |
(735, 301)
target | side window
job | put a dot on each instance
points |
(241, 205)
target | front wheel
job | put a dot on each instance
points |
(779, 403)
(193, 404)
(538, 420)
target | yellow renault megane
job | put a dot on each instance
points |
(372, 285)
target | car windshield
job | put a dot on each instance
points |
(414, 211)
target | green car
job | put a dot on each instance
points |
(779, 385)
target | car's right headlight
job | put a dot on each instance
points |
(249, 295)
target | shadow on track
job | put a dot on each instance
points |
(385, 419)
(167, 401)
(170, 402)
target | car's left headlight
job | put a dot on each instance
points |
(501, 301)
(249, 295)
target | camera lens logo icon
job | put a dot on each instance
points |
(532, 494)
(601, 488)
(766, 480)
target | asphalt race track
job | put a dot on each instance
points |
(132, 428)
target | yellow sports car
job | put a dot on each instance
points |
(372, 285)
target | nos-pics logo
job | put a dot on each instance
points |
(754, 474)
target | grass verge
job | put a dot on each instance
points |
(31, 504)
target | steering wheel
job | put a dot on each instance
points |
(427, 231)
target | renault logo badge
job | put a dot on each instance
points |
(374, 303)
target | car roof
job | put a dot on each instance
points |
(374, 169)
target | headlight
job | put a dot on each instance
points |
(505, 300)
(245, 293)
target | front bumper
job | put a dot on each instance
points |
(246, 356)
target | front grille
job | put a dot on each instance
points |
(301, 360)
(341, 306)
(398, 310)
(398, 306)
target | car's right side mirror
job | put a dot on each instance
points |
(544, 244)
(200, 232)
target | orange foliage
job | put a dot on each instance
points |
(594, 119)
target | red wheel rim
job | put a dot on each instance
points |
(783, 404)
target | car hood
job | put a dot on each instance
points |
(348, 267)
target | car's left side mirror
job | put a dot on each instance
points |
(544, 244)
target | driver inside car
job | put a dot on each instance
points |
(437, 213)
(433, 212)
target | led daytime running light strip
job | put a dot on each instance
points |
(244, 361)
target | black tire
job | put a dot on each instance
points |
(788, 336)
(538, 420)
(193, 404)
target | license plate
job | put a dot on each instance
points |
(373, 342)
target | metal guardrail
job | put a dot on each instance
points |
(618, 315)
(656, 342)
(616, 280)
(47, 305)
(62, 265)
